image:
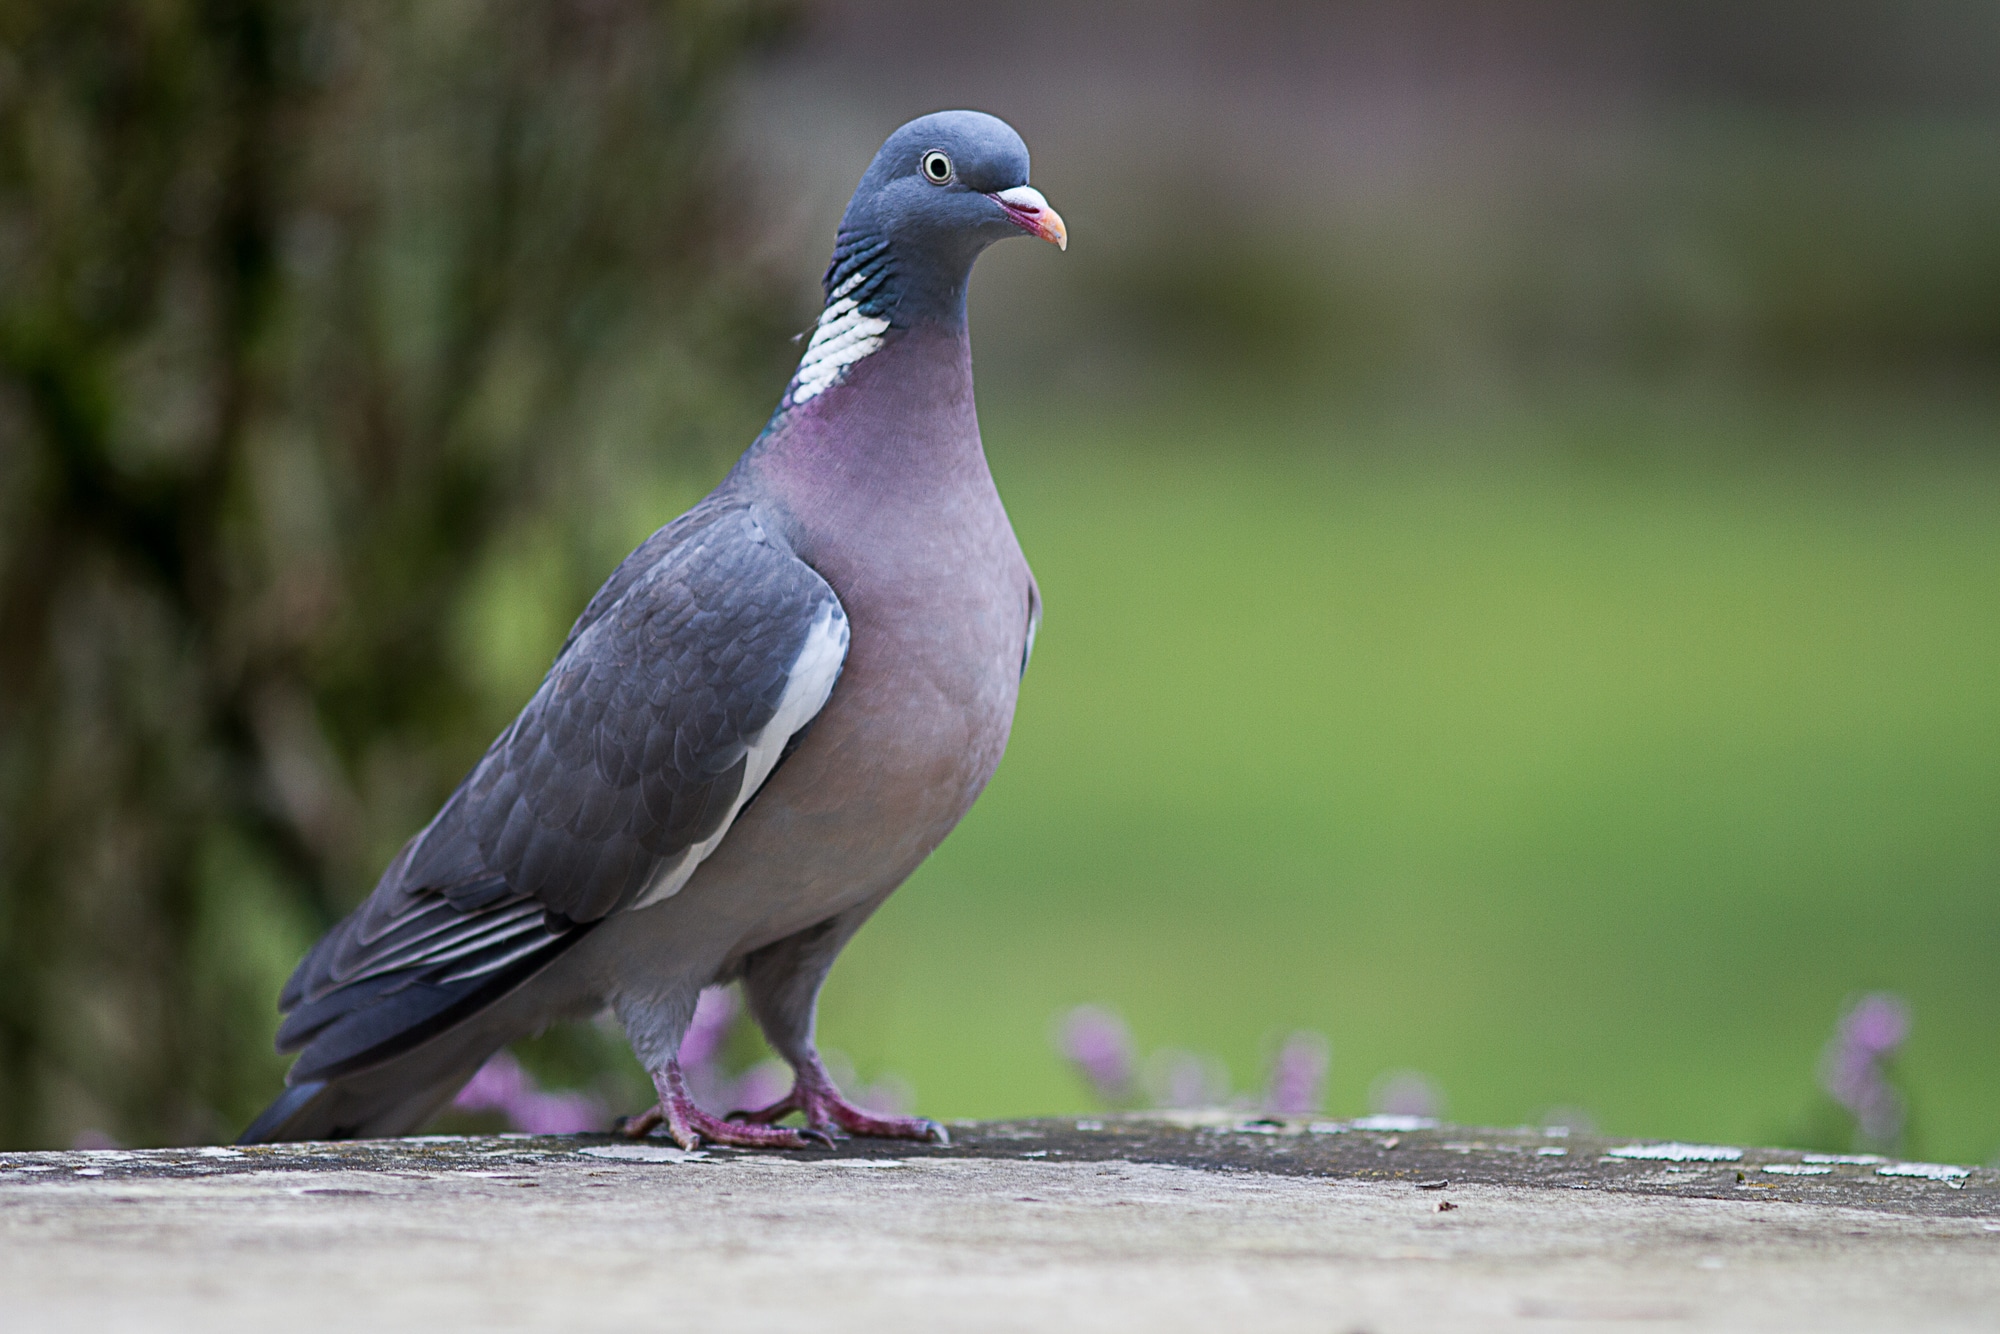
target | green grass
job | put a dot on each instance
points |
(1589, 756)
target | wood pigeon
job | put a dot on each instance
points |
(767, 717)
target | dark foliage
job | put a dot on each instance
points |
(305, 308)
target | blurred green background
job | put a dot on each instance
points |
(1516, 492)
(1569, 777)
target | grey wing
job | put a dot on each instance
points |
(666, 711)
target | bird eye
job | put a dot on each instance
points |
(937, 168)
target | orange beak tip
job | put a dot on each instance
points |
(1031, 212)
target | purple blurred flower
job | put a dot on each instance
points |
(560, 1114)
(708, 1031)
(888, 1096)
(715, 1015)
(1854, 1067)
(1297, 1085)
(500, 1084)
(1405, 1093)
(1568, 1120)
(760, 1086)
(1186, 1079)
(1097, 1042)
(503, 1086)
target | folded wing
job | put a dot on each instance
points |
(682, 687)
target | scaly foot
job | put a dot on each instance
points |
(688, 1125)
(814, 1096)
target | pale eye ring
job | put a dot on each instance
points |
(937, 168)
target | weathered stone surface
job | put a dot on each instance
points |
(1129, 1223)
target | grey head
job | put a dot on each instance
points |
(940, 190)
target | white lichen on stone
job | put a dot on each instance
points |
(1675, 1152)
(643, 1153)
(1391, 1121)
(1928, 1171)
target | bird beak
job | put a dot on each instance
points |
(1032, 214)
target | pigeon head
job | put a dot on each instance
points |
(942, 189)
(952, 183)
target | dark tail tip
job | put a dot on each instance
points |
(272, 1126)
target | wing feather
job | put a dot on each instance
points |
(668, 707)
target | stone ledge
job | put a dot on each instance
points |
(1155, 1222)
(1371, 1149)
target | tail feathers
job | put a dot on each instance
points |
(383, 1054)
(376, 1020)
(393, 1100)
(309, 1019)
(271, 1125)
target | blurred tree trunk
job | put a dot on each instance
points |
(304, 307)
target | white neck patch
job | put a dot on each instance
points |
(842, 337)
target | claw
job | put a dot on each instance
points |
(829, 1117)
(814, 1095)
(642, 1125)
(825, 1133)
(765, 1116)
(688, 1125)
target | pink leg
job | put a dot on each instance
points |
(814, 1096)
(688, 1125)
